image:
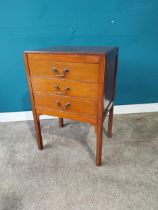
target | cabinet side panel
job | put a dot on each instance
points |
(29, 81)
(110, 79)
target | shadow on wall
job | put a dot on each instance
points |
(135, 83)
(26, 101)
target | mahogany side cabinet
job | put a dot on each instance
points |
(76, 83)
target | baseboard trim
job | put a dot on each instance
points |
(119, 109)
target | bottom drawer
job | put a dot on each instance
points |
(65, 104)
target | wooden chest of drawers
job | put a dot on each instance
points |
(74, 83)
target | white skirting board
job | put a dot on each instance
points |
(118, 109)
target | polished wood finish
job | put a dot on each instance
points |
(59, 103)
(109, 133)
(77, 71)
(35, 115)
(74, 83)
(65, 87)
(60, 122)
(76, 51)
(63, 57)
(100, 111)
(69, 115)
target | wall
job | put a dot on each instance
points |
(130, 24)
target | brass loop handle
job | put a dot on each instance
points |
(67, 105)
(58, 74)
(56, 87)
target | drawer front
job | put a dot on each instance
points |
(65, 88)
(64, 70)
(65, 104)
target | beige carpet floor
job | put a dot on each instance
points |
(64, 177)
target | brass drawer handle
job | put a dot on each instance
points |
(67, 105)
(58, 74)
(56, 87)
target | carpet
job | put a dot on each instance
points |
(63, 176)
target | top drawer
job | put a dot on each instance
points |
(44, 67)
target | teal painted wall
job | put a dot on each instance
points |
(130, 24)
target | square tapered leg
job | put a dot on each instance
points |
(60, 122)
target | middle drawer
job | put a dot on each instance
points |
(65, 87)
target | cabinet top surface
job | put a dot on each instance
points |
(76, 50)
